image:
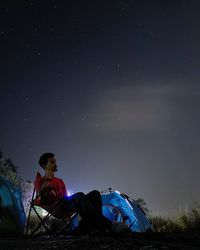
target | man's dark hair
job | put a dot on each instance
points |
(44, 159)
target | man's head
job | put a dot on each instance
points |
(48, 162)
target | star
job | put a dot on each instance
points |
(118, 66)
(121, 11)
(84, 117)
(58, 98)
(151, 34)
(51, 29)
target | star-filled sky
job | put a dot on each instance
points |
(112, 88)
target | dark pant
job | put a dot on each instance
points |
(89, 207)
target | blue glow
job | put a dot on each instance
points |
(69, 193)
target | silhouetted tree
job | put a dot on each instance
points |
(11, 165)
(9, 171)
(143, 205)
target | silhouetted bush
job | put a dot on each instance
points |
(184, 221)
(9, 171)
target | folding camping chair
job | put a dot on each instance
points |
(55, 210)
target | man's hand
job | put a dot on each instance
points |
(49, 175)
(52, 191)
(48, 194)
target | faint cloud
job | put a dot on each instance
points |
(136, 108)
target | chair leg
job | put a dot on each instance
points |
(42, 223)
(68, 224)
(29, 213)
(27, 223)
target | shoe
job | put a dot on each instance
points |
(119, 227)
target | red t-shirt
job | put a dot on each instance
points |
(56, 183)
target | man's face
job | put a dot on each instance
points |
(51, 165)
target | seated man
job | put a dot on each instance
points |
(88, 206)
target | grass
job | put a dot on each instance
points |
(184, 221)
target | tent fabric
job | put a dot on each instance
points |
(12, 215)
(117, 207)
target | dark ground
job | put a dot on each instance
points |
(142, 241)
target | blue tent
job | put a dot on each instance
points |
(119, 207)
(12, 215)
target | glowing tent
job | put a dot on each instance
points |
(12, 215)
(119, 207)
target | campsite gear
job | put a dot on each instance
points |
(12, 215)
(119, 207)
(52, 211)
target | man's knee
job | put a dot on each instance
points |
(77, 199)
(80, 194)
(94, 193)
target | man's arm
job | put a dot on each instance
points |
(40, 183)
(64, 190)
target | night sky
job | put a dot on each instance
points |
(112, 88)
